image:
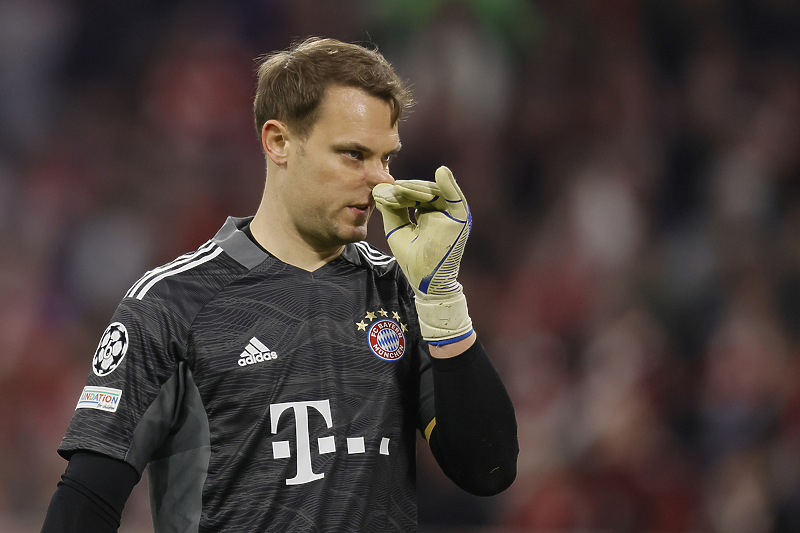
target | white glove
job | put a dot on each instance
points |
(430, 251)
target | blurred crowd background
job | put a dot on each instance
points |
(634, 175)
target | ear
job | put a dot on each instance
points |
(274, 139)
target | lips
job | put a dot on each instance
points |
(362, 208)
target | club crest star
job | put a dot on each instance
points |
(362, 326)
(370, 315)
(383, 312)
(395, 315)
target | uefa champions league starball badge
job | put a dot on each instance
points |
(111, 350)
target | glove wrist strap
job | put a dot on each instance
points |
(451, 341)
(443, 319)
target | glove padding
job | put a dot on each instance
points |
(430, 251)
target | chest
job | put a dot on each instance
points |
(281, 338)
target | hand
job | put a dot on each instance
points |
(430, 250)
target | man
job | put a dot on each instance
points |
(273, 380)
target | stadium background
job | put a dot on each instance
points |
(633, 169)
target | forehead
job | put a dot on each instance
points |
(349, 114)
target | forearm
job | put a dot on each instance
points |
(474, 438)
(91, 495)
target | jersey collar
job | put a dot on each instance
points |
(238, 245)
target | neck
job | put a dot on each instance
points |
(273, 231)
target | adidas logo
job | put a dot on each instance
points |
(255, 352)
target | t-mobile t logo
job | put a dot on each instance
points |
(327, 444)
(281, 450)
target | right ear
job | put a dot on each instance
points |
(274, 139)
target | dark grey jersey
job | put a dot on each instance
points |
(264, 397)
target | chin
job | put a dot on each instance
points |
(356, 235)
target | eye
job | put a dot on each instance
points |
(387, 159)
(352, 154)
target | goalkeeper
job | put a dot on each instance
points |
(275, 378)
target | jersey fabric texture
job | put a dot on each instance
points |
(262, 397)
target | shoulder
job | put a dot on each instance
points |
(176, 272)
(194, 275)
(191, 280)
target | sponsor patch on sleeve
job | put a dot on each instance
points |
(101, 398)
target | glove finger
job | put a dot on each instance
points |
(393, 217)
(424, 193)
(399, 229)
(388, 196)
(456, 202)
(420, 191)
(418, 186)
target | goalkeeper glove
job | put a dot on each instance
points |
(430, 250)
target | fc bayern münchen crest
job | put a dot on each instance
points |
(111, 349)
(386, 340)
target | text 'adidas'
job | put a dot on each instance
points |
(256, 352)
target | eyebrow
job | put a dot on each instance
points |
(361, 148)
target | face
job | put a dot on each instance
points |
(328, 180)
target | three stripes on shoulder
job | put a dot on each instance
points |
(188, 261)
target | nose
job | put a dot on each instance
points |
(376, 175)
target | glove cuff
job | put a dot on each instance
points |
(443, 319)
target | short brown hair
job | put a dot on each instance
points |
(292, 83)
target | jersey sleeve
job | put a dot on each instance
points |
(128, 404)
